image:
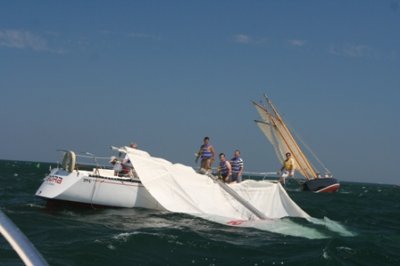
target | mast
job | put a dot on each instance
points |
(237, 197)
(285, 141)
(303, 157)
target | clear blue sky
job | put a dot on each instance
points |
(84, 75)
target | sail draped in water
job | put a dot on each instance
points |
(281, 138)
(178, 188)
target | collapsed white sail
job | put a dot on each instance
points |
(178, 188)
(281, 139)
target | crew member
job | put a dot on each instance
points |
(120, 169)
(207, 154)
(224, 169)
(237, 167)
(287, 169)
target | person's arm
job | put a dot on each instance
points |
(229, 167)
(212, 152)
(241, 168)
(199, 153)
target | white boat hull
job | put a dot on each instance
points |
(97, 187)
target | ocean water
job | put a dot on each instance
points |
(360, 225)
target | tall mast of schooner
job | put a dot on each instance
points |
(281, 138)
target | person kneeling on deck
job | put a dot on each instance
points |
(287, 169)
(119, 168)
(224, 168)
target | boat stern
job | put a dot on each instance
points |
(55, 183)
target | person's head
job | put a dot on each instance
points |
(288, 154)
(133, 145)
(237, 153)
(222, 156)
(206, 139)
(113, 159)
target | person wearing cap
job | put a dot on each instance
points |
(287, 169)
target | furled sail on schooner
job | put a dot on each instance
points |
(276, 131)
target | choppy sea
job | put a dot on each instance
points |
(74, 235)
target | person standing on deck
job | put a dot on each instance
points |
(237, 167)
(224, 168)
(287, 169)
(117, 166)
(207, 154)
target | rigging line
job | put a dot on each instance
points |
(304, 145)
(310, 150)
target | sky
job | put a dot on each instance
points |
(85, 75)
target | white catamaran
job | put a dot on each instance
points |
(276, 131)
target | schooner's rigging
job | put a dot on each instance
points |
(283, 141)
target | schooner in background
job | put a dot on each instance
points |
(276, 131)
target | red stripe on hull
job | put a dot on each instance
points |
(331, 188)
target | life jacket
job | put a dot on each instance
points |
(205, 152)
(237, 164)
(223, 169)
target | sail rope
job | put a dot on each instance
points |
(297, 135)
